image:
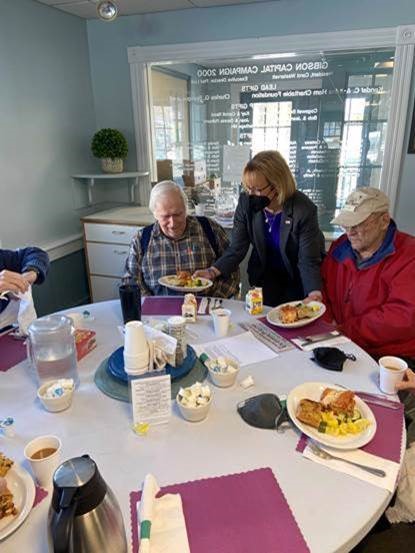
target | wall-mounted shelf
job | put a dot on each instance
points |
(134, 176)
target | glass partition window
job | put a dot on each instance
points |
(327, 113)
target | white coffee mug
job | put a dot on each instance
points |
(44, 456)
(392, 370)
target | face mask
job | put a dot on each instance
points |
(258, 203)
(331, 358)
(261, 411)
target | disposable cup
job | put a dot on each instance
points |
(221, 319)
(391, 371)
(136, 364)
(135, 341)
(43, 469)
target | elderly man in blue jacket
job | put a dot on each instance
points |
(21, 268)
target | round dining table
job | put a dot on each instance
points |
(334, 511)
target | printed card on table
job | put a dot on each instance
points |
(151, 399)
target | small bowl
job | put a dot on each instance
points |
(194, 414)
(54, 404)
(224, 380)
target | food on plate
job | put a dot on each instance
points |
(292, 313)
(335, 414)
(184, 279)
(7, 506)
(339, 401)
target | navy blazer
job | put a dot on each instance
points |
(301, 242)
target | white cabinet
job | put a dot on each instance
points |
(107, 237)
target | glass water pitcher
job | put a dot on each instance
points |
(51, 348)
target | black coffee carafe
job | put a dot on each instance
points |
(84, 516)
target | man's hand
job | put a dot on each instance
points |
(15, 282)
(315, 295)
(408, 382)
(210, 273)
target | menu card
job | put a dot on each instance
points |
(151, 399)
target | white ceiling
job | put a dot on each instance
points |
(87, 8)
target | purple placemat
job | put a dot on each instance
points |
(40, 495)
(12, 352)
(238, 513)
(319, 326)
(387, 441)
(163, 305)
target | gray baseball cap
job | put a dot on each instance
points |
(361, 203)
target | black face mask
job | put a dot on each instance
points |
(261, 411)
(258, 203)
(331, 358)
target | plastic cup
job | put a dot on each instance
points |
(130, 297)
(43, 468)
(221, 319)
(392, 370)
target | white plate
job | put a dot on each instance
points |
(206, 283)
(21, 484)
(273, 316)
(313, 390)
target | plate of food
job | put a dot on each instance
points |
(17, 493)
(184, 282)
(332, 416)
(294, 314)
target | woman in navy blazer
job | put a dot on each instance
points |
(281, 224)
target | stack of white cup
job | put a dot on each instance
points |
(136, 350)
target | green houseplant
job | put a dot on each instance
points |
(111, 147)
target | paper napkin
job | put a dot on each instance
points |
(358, 456)
(162, 524)
(330, 342)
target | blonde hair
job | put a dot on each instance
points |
(274, 168)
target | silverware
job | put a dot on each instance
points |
(323, 454)
(375, 399)
(319, 337)
(203, 306)
(208, 307)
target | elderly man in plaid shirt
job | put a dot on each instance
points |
(176, 242)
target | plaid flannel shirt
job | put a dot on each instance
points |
(165, 256)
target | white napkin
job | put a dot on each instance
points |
(168, 528)
(404, 508)
(27, 313)
(341, 339)
(357, 455)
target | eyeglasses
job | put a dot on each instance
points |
(253, 190)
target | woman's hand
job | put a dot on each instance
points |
(211, 273)
(315, 295)
(408, 382)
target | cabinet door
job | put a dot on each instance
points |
(104, 288)
(106, 259)
(113, 234)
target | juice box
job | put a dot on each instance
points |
(253, 301)
(85, 342)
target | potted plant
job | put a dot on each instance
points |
(111, 147)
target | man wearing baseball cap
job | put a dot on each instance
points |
(369, 276)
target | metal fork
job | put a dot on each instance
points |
(323, 454)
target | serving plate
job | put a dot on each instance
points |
(21, 484)
(273, 316)
(165, 281)
(116, 365)
(313, 390)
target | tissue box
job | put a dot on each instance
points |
(85, 342)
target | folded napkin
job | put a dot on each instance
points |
(162, 524)
(358, 456)
(162, 347)
(335, 340)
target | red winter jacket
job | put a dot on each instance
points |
(375, 305)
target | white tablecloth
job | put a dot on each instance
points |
(333, 510)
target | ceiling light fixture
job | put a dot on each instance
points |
(107, 10)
